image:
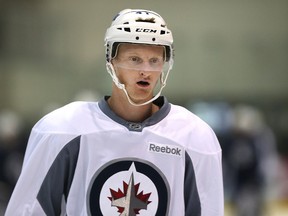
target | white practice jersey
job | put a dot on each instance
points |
(82, 159)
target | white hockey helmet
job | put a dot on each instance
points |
(138, 26)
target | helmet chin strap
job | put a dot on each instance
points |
(111, 71)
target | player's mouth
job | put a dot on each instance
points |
(143, 84)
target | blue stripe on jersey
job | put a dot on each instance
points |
(58, 180)
(191, 196)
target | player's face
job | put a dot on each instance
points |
(139, 67)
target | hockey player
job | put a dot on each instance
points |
(131, 153)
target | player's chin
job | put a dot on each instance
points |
(141, 97)
(141, 91)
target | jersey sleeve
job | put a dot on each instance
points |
(208, 173)
(42, 151)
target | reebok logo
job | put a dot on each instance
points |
(165, 149)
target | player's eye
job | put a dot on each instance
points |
(135, 60)
(155, 61)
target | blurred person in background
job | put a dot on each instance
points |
(251, 161)
(130, 153)
(12, 146)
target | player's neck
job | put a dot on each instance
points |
(122, 107)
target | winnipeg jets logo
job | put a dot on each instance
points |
(128, 187)
(129, 202)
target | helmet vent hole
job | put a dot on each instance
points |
(153, 39)
(137, 38)
(148, 20)
(127, 29)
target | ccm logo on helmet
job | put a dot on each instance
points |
(165, 149)
(146, 30)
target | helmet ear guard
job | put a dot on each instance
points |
(140, 27)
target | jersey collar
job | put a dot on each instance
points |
(162, 102)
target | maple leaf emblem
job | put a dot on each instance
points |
(129, 202)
